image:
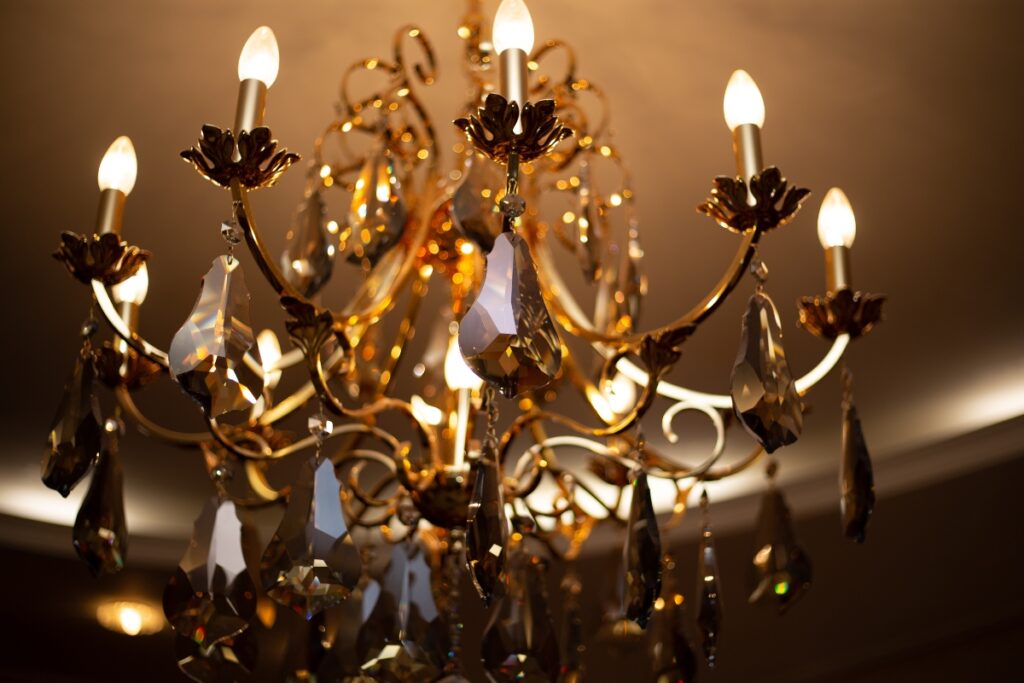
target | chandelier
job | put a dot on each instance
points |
(391, 497)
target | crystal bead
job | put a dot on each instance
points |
(642, 554)
(75, 434)
(507, 337)
(100, 536)
(308, 261)
(486, 529)
(856, 479)
(311, 563)
(228, 660)
(212, 596)
(780, 569)
(89, 328)
(512, 205)
(207, 353)
(320, 426)
(474, 210)
(764, 394)
(377, 215)
(709, 614)
(232, 232)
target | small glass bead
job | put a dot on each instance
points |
(320, 426)
(89, 327)
(221, 473)
(231, 231)
(513, 205)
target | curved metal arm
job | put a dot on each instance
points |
(150, 428)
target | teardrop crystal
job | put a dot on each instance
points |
(207, 355)
(308, 261)
(764, 394)
(590, 243)
(487, 529)
(311, 563)
(475, 211)
(672, 656)
(507, 337)
(642, 554)
(75, 434)
(709, 613)
(100, 536)
(780, 569)
(856, 478)
(573, 648)
(228, 660)
(212, 596)
(377, 215)
(632, 282)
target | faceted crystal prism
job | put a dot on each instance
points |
(308, 261)
(486, 529)
(780, 568)
(856, 479)
(207, 353)
(474, 209)
(709, 614)
(673, 658)
(764, 394)
(228, 660)
(507, 336)
(377, 215)
(75, 435)
(212, 596)
(311, 563)
(642, 554)
(100, 536)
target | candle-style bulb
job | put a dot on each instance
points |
(836, 224)
(458, 375)
(134, 289)
(260, 57)
(119, 166)
(513, 27)
(270, 353)
(743, 102)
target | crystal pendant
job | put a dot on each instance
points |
(507, 337)
(588, 234)
(856, 479)
(475, 212)
(709, 613)
(207, 353)
(642, 554)
(311, 563)
(212, 596)
(377, 214)
(100, 536)
(571, 670)
(672, 656)
(75, 435)
(780, 568)
(632, 281)
(764, 394)
(519, 642)
(308, 261)
(487, 529)
(228, 660)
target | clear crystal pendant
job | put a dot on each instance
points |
(856, 479)
(75, 434)
(212, 596)
(475, 211)
(487, 529)
(709, 611)
(642, 554)
(308, 261)
(780, 570)
(311, 563)
(100, 536)
(507, 337)
(207, 353)
(225, 661)
(672, 657)
(377, 215)
(764, 394)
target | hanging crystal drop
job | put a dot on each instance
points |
(764, 394)
(207, 353)
(507, 337)
(632, 281)
(780, 568)
(311, 563)
(672, 656)
(100, 536)
(856, 479)
(487, 528)
(228, 660)
(212, 596)
(571, 670)
(709, 613)
(475, 211)
(308, 261)
(590, 239)
(377, 215)
(642, 554)
(75, 434)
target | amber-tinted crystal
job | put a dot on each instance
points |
(642, 554)
(75, 435)
(228, 660)
(487, 529)
(377, 215)
(207, 353)
(311, 563)
(764, 394)
(709, 614)
(856, 479)
(474, 207)
(507, 337)
(308, 261)
(780, 569)
(100, 536)
(211, 596)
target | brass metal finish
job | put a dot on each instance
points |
(252, 104)
(492, 130)
(768, 202)
(99, 257)
(838, 275)
(110, 213)
(512, 65)
(841, 312)
(257, 163)
(746, 145)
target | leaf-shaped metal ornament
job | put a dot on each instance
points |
(775, 203)
(259, 163)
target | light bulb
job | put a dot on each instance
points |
(270, 354)
(836, 224)
(743, 102)
(457, 374)
(260, 57)
(119, 166)
(620, 392)
(513, 27)
(134, 289)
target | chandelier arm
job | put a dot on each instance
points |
(151, 428)
(736, 468)
(406, 329)
(257, 247)
(121, 328)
